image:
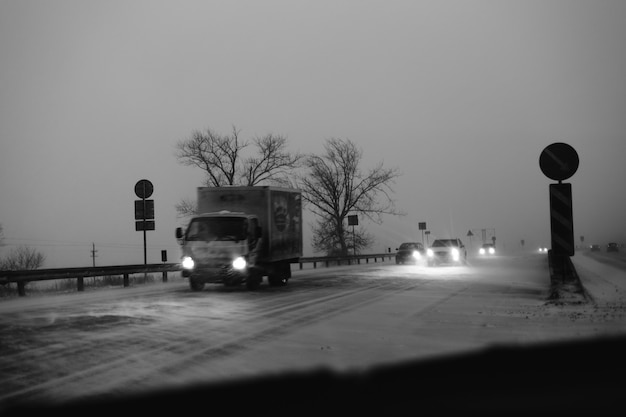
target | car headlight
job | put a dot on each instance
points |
(481, 251)
(430, 253)
(239, 263)
(416, 254)
(492, 251)
(188, 263)
(455, 254)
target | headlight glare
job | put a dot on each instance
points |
(430, 253)
(239, 263)
(416, 254)
(188, 263)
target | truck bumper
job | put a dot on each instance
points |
(226, 275)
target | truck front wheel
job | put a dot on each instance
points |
(280, 274)
(277, 281)
(195, 285)
(254, 280)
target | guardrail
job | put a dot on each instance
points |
(344, 260)
(25, 276)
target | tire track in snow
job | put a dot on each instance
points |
(112, 368)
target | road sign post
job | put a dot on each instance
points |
(561, 219)
(353, 220)
(559, 161)
(144, 212)
(422, 227)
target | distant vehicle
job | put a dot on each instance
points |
(410, 252)
(242, 235)
(612, 247)
(487, 249)
(594, 248)
(543, 249)
(446, 251)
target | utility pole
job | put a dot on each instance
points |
(93, 253)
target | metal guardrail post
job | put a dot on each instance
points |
(80, 284)
(164, 276)
(126, 280)
(21, 288)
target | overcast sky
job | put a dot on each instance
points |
(460, 96)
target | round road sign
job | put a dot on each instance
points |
(558, 161)
(143, 188)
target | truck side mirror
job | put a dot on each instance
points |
(179, 233)
(258, 232)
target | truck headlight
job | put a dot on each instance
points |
(455, 254)
(239, 263)
(188, 263)
(430, 253)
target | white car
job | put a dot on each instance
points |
(447, 251)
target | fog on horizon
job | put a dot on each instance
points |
(460, 96)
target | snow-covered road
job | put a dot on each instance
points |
(118, 341)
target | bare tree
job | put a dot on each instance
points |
(327, 240)
(22, 258)
(186, 208)
(215, 154)
(273, 163)
(335, 186)
(221, 158)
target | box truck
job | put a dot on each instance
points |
(242, 234)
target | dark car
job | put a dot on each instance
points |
(447, 251)
(612, 247)
(594, 248)
(410, 252)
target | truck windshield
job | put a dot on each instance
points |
(223, 228)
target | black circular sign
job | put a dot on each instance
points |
(558, 161)
(143, 188)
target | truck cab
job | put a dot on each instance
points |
(221, 247)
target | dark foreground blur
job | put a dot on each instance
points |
(565, 378)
